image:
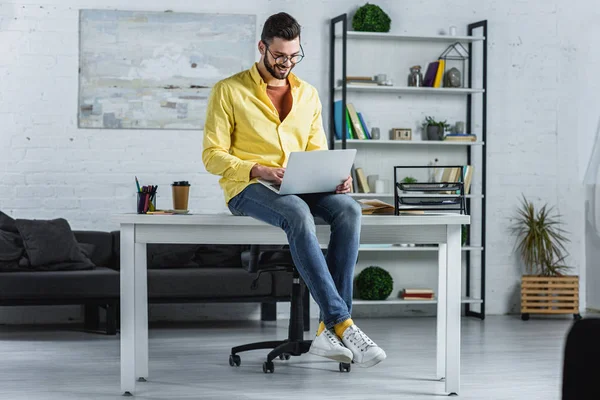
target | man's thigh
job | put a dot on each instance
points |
(328, 205)
(263, 204)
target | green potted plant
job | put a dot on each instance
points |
(374, 283)
(409, 179)
(371, 18)
(435, 129)
(540, 242)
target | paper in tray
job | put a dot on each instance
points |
(425, 187)
(430, 201)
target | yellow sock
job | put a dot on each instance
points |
(341, 327)
(321, 328)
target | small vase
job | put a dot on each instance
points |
(375, 135)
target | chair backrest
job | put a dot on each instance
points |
(581, 364)
(267, 257)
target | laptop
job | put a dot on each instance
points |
(318, 171)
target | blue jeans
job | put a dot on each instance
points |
(329, 278)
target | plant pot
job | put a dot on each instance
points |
(435, 132)
(549, 295)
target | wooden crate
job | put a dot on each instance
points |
(550, 295)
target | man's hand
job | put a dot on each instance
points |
(345, 187)
(267, 173)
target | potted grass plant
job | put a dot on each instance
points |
(540, 242)
(435, 129)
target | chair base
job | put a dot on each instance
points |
(280, 348)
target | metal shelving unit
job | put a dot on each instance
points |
(468, 92)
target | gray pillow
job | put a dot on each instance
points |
(7, 223)
(50, 242)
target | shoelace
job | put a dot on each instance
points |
(360, 339)
(332, 338)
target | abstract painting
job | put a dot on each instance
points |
(155, 70)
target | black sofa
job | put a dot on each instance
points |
(176, 274)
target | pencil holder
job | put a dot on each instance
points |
(145, 202)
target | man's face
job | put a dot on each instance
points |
(275, 53)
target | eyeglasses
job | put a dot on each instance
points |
(280, 60)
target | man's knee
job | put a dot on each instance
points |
(350, 214)
(299, 220)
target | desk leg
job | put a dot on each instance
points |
(141, 312)
(127, 309)
(441, 313)
(453, 301)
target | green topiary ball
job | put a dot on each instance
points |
(371, 18)
(374, 283)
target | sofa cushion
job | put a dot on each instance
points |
(102, 254)
(213, 282)
(98, 283)
(7, 223)
(11, 246)
(50, 245)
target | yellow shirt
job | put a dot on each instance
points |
(243, 128)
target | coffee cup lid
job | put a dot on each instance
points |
(181, 183)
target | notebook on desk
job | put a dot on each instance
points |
(314, 171)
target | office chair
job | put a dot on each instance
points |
(581, 365)
(269, 259)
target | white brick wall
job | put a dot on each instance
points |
(542, 89)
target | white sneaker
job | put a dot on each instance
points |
(329, 345)
(366, 352)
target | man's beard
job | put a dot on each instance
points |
(275, 73)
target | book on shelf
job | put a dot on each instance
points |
(364, 126)
(417, 290)
(417, 294)
(354, 179)
(439, 74)
(355, 122)
(429, 79)
(468, 178)
(460, 137)
(363, 185)
(376, 206)
(362, 83)
(356, 125)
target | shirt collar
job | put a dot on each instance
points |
(293, 79)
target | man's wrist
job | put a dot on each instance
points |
(255, 171)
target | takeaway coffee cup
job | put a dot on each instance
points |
(181, 195)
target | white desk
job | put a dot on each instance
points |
(139, 230)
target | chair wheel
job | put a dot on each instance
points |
(284, 356)
(235, 360)
(577, 317)
(525, 317)
(268, 366)
(345, 367)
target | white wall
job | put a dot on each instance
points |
(542, 86)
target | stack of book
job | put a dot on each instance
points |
(417, 294)
(357, 128)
